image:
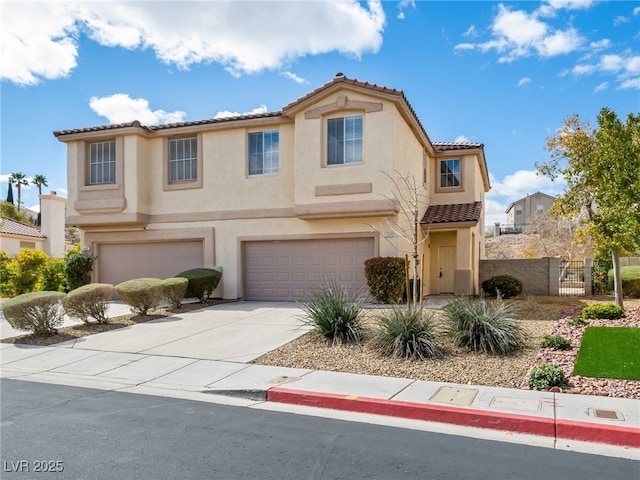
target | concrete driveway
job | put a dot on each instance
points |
(235, 332)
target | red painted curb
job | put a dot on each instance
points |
(416, 411)
(597, 432)
(590, 432)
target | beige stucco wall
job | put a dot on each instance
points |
(10, 244)
(53, 224)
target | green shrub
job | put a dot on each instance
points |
(53, 278)
(609, 311)
(202, 281)
(503, 285)
(483, 326)
(38, 312)
(577, 322)
(141, 294)
(408, 333)
(5, 281)
(25, 271)
(557, 342)
(89, 301)
(335, 313)
(547, 376)
(77, 269)
(173, 290)
(386, 278)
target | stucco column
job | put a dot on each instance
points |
(53, 224)
(463, 276)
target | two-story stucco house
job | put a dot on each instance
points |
(279, 200)
(520, 212)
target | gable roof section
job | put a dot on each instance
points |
(537, 194)
(340, 82)
(9, 226)
(452, 213)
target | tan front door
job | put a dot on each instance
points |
(447, 266)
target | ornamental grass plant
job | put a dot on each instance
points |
(408, 333)
(335, 313)
(483, 326)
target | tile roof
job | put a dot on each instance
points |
(151, 128)
(446, 146)
(452, 213)
(13, 227)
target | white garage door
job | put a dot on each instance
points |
(287, 270)
(120, 262)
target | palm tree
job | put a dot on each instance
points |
(39, 181)
(20, 180)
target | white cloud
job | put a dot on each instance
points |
(403, 5)
(521, 183)
(471, 32)
(38, 44)
(632, 83)
(293, 77)
(601, 87)
(120, 108)
(518, 34)
(43, 44)
(626, 67)
(524, 81)
(461, 139)
(255, 111)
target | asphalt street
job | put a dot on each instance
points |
(61, 432)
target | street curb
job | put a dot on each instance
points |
(549, 427)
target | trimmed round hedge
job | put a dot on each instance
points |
(202, 282)
(38, 312)
(89, 301)
(141, 294)
(504, 285)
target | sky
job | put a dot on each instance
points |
(504, 74)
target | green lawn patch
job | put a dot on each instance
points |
(609, 352)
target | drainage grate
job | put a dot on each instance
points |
(610, 414)
(455, 396)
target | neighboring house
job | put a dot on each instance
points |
(15, 236)
(50, 237)
(520, 212)
(279, 200)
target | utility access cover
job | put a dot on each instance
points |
(455, 396)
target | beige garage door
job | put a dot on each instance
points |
(120, 262)
(288, 270)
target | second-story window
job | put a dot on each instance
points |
(344, 140)
(450, 173)
(102, 163)
(264, 152)
(183, 159)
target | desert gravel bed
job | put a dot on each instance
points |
(537, 315)
(458, 366)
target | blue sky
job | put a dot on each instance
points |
(505, 74)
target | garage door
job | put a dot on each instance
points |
(121, 262)
(288, 270)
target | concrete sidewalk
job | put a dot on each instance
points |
(204, 355)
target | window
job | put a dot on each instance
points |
(539, 208)
(102, 163)
(450, 174)
(518, 210)
(344, 140)
(264, 148)
(183, 159)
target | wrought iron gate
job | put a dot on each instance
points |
(571, 277)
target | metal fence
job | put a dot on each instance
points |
(572, 276)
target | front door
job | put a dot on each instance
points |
(447, 266)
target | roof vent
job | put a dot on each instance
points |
(339, 74)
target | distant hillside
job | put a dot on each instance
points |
(509, 246)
